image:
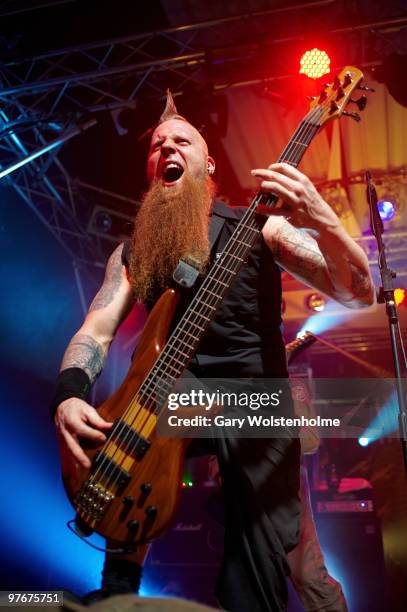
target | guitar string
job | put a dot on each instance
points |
(302, 133)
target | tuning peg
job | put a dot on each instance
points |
(311, 97)
(360, 103)
(347, 80)
(354, 116)
(340, 93)
(365, 88)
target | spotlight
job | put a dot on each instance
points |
(400, 296)
(363, 441)
(387, 209)
(315, 63)
(384, 423)
(316, 302)
(102, 222)
(302, 334)
(110, 224)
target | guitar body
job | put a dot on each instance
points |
(142, 509)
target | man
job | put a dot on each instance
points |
(243, 340)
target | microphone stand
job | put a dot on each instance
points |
(385, 295)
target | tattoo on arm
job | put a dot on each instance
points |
(111, 283)
(296, 249)
(84, 352)
(361, 285)
(300, 254)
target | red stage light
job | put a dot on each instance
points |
(315, 63)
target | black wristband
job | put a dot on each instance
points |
(72, 382)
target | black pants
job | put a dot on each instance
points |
(261, 516)
(260, 484)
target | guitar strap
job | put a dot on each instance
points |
(186, 273)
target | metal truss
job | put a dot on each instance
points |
(49, 191)
(18, 7)
(109, 75)
(53, 93)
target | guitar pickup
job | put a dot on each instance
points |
(108, 470)
(129, 440)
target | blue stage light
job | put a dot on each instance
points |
(38, 539)
(301, 334)
(363, 441)
(387, 209)
(338, 571)
(385, 423)
(323, 322)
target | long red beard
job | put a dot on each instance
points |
(172, 223)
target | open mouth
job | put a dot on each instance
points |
(172, 173)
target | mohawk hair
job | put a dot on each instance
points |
(170, 110)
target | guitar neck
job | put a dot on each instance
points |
(184, 340)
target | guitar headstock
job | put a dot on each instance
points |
(335, 96)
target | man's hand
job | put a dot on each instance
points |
(331, 261)
(300, 201)
(75, 418)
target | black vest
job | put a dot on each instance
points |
(244, 339)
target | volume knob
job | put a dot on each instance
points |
(151, 512)
(146, 488)
(128, 501)
(133, 525)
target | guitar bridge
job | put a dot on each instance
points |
(93, 499)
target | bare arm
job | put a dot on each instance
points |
(333, 264)
(89, 347)
(88, 350)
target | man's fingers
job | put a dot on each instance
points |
(95, 419)
(75, 449)
(278, 177)
(288, 170)
(279, 191)
(75, 418)
(88, 432)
